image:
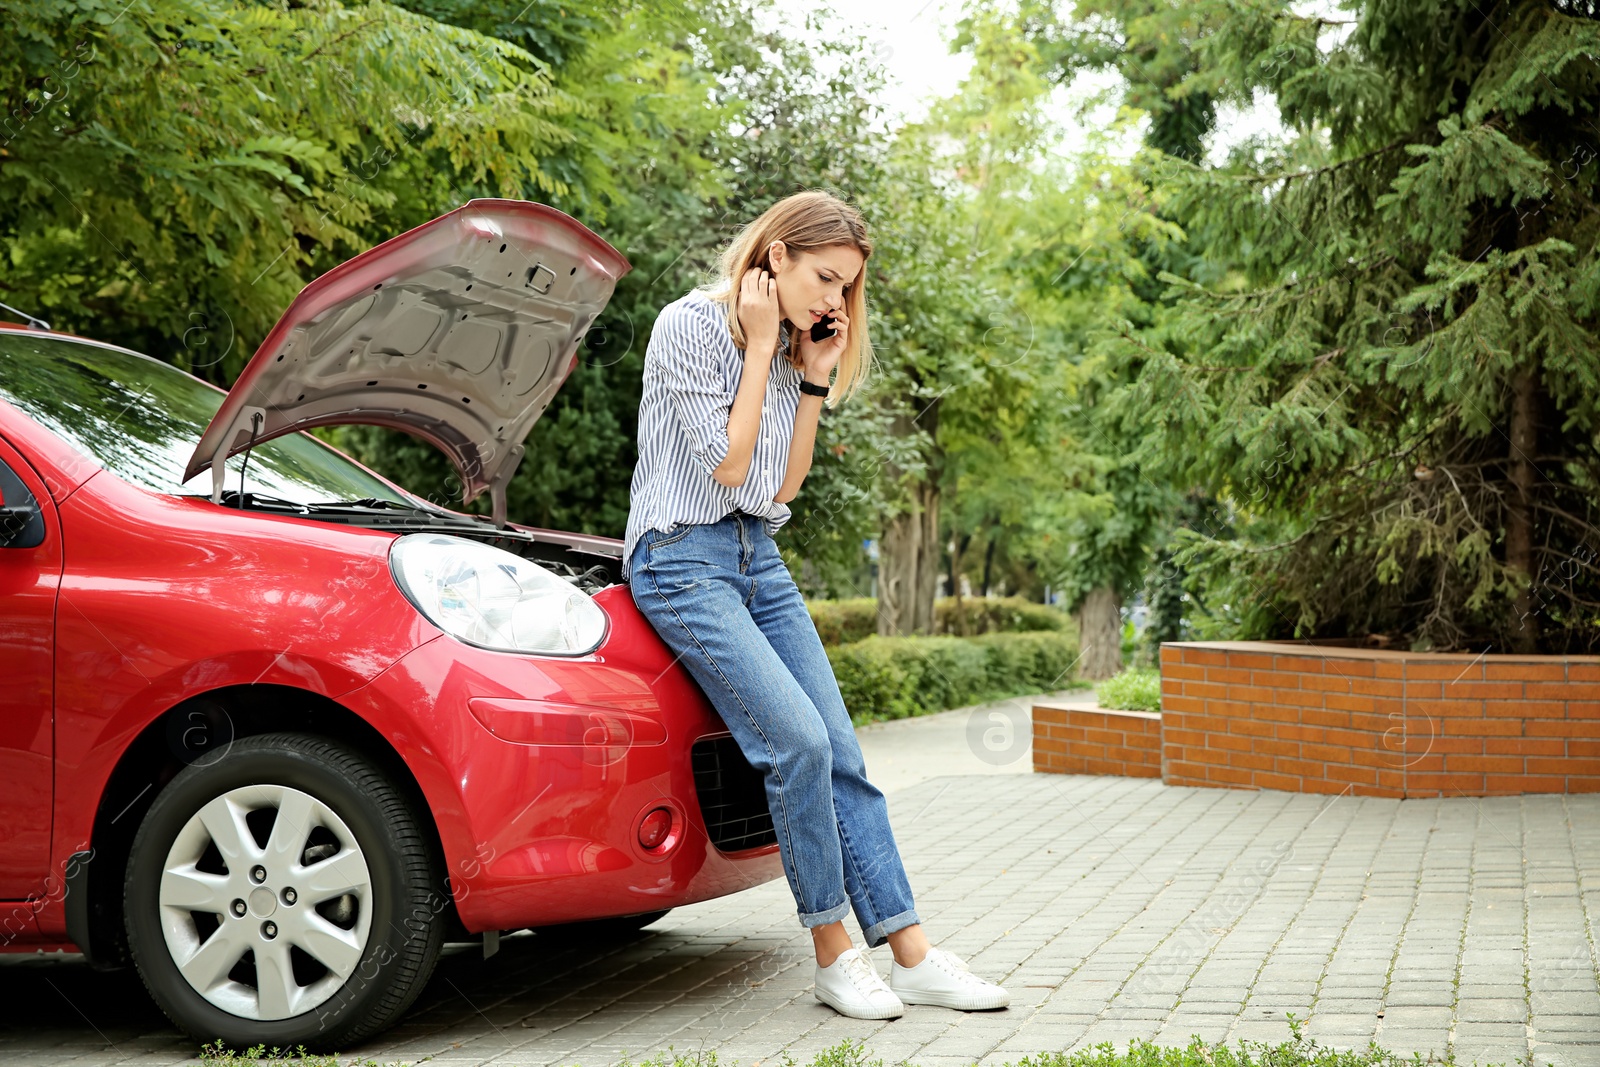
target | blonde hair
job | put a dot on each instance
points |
(804, 222)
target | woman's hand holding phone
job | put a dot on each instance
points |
(758, 309)
(820, 357)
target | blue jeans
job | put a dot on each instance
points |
(722, 599)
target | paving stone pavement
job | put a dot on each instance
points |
(1111, 908)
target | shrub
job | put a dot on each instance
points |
(1135, 689)
(840, 622)
(896, 677)
(993, 614)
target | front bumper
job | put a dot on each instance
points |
(539, 772)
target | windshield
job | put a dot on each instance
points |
(140, 419)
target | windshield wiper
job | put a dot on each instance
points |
(391, 514)
(371, 502)
(265, 501)
(268, 502)
(379, 504)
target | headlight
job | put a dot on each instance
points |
(487, 596)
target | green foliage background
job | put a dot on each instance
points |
(1336, 381)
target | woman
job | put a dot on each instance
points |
(733, 387)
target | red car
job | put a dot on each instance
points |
(274, 735)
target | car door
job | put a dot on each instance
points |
(30, 575)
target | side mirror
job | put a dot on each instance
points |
(14, 522)
(21, 520)
(19, 523)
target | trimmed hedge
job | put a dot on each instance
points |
(996, 614)
(839, 622)
(895, 677)
(843, 621)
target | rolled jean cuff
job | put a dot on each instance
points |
(879, 932)
(823, 918)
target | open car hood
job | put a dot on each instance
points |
(459, 332)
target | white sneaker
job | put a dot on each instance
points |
(944, 979)
(852, 986)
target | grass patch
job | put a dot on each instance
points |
(218, 1054)
(1135, 689)
(1298, 1051)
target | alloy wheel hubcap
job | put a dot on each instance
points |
(265, 902)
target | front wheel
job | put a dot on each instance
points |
(283, 894)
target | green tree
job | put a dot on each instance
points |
(1393, 393)
(1076, 238)
(1150, 44)
(172, 172)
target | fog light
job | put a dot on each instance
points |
(653, 830)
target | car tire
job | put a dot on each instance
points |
(234, 912)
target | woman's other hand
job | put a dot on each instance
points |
(820, 357)
(758, 309)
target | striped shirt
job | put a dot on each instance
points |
(691, 375)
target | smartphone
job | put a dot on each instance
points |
(821, 331)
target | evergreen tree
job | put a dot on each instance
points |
(1393, 394)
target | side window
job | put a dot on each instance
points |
(21, 523)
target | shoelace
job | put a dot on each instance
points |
(862, 974)
(957, 968)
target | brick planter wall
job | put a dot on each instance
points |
(1325, 719)
(1070, 740)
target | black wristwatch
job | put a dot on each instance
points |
(813, 388)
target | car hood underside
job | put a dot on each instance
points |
(459, 332)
